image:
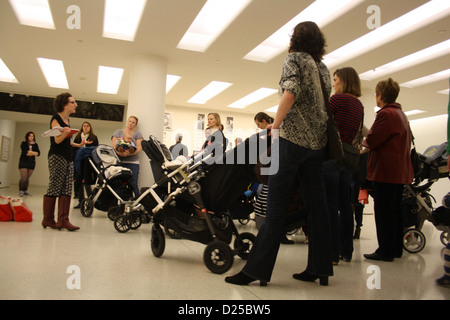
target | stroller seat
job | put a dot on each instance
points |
(113, 171)
(175, 164)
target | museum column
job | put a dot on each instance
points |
(146, 101)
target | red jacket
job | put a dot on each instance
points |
(389, 141)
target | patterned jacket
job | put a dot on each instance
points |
(305, 123)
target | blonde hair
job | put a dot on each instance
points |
(217, 117)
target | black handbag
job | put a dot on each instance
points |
(334, 150)
(352, 152)
(351, 157)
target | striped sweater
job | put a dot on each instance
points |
(348, 112)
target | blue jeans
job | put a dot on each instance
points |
(134, 167)
(338, 191)
(295, 162)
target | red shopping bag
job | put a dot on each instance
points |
(21, 213)
(5, 209)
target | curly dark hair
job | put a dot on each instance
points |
(60, 101)
(308, 38)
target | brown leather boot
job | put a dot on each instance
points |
(63, 214)
(49, 212)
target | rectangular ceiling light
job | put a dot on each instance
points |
(212, 20)
(273, 109)
(414, 59)
(414, 112)
(54, 73)
(210, 91)
(5, 74)
(171, 81)
(427, 79)
(109, 79)
(253, 97)
(34, 13)
(321, 12)
(409, 22)
(122, 18)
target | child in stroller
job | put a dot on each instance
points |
(194, 198)
(417, 203)
(112, 184)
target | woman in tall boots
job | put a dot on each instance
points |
(60, 165)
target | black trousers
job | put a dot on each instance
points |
(389, 218)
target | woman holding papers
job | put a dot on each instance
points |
(60, 165)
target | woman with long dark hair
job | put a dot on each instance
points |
(27, 161)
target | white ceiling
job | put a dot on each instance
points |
(164, 23)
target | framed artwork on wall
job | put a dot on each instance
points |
(6, 144)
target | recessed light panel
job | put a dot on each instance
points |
(34, 13)
(122, 18)
(427, 79)
(54, 73)
(210, 91)
(414, 59)
(109, 79)
(5, 74)
(414, 112)
(213, 19)
(253, 97)
(171, 81)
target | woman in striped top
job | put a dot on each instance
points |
(348, 112)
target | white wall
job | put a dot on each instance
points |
(7, 129)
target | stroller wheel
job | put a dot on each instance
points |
(243, 244)
(218, 257)
(135, 220)
(413, 240)
(157, 241)
(114, 212)
(87, 207)
(122, 224)
(444, 238)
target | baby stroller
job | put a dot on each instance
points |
(417, 202)
(112, 185)
(197, 198)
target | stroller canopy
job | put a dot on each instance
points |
(105, 155)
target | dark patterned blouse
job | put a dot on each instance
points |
(305, 124)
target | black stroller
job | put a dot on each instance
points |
(112, 185)
(198, 198)
(417, 202)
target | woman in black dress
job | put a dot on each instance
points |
(27, 161)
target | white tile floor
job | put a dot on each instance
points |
(35, 264)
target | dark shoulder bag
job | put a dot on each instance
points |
(334, 145)
(352, 152)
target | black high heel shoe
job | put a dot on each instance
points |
(243, 280)
(309, 277)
